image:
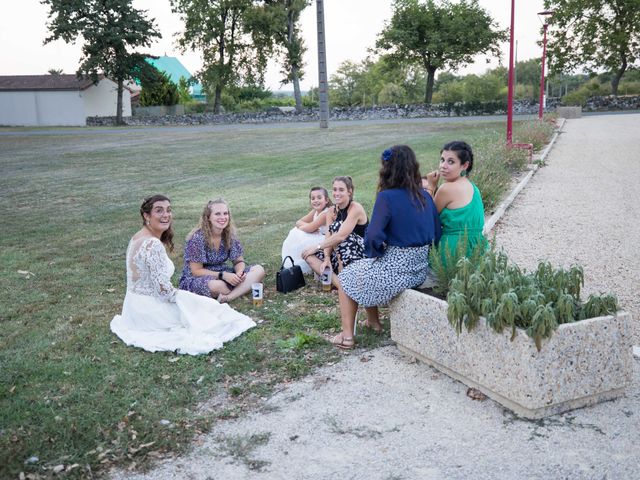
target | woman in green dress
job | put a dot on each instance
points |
(458, 200)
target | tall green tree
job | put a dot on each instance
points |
(528, 73)
(594, 34)
(284, 20)
(157, 88)
(110, 30)
(234, 47)
(345, 84)
(184, 91)
(438, 35)
(484, 88)
(376, 80)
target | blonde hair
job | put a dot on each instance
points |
(207, 230)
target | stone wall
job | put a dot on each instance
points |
(370, 113)
(337, 113)
(611, 103)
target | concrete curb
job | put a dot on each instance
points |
(506, 203)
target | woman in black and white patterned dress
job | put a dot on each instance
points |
(344, 241)
(404, 224)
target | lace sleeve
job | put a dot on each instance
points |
(156, 259)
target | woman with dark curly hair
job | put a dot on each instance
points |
(404, 224)
(155, 315)
(458, 200)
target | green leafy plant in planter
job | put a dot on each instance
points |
(486, 284)
(444, 264)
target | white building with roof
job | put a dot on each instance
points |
(58, 100)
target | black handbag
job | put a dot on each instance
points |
(289, 279)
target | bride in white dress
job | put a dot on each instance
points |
(155, 315)
(309, 230)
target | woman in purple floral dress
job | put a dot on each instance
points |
(209, 249)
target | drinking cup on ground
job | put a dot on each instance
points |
(326, 279)
(256, 293)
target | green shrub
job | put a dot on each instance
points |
(157, 89)
(590, 89)
(444, 265)
(184, 95)
(629, 88)
(229, 102)
(488, 285)
(595, 88)
(450, 93)
(309, 102)
(536, 133)
(195, 107)
(576, 98)
(391, 94)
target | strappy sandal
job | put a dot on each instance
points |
(345, 343)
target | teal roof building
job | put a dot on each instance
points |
(175, 70)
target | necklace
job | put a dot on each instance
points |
(342, 211)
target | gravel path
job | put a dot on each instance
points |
(381, 415)
(582, 209)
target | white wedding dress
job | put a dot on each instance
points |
(158, 317)
(297, 241)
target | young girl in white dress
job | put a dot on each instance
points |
(155, 315)
(309, 230)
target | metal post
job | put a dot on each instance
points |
(510, 91)
(544, 56)
(323, 86)
(515, 71)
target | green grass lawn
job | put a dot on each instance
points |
(71, 393)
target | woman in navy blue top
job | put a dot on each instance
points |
(404, 224)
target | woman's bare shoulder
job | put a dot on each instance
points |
(358, 210)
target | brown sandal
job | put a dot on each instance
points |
(345, 343)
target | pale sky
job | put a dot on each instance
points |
(351, 29)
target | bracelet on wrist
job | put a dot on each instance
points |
(220, 275)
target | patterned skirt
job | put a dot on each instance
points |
(375, 281)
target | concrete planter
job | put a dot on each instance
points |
(569, 112)
(583, 363)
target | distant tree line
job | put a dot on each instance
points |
(422, 42)
(376, 82)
